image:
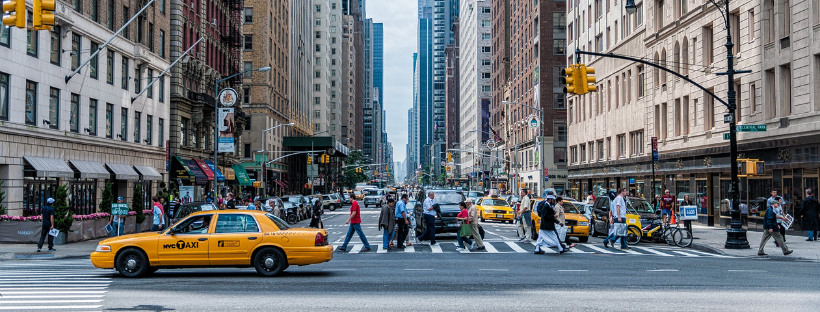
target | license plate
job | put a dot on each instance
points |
(569, 230)
(452, 224)
(499, 216)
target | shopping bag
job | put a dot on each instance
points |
(620, 229)
(54, 232)
(465, 230)
(562, 232)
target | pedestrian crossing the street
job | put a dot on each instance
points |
(502, 246)
(35, 285)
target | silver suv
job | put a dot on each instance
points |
(331, 201)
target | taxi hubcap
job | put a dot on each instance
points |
(131, 264)
(270, 262)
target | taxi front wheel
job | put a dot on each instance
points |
(132, 263)
(269, 262)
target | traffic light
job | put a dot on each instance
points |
(386, 168)
(449, 157)
(588, 79)
(18, 18)
(326, 158)
(257, 184)
(375, 173)
(751, 167)
(309, 160)
(572, 79)
(43, 17)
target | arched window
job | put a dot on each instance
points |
(663, 63)
(657, 73)
(685, 57)
(676, 58)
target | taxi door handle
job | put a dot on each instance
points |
(202, 239)
(252, 238)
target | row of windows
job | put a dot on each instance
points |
(77, 104)
(601, 150)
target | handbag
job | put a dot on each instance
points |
(562, 233)
(465, 230)
(620, 229)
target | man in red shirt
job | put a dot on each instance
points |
(355, 221)
(667, 205)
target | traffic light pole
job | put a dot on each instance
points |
(67, 78)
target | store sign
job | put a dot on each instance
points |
(226, 130)
(119, 209)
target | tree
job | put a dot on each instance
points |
(138, 206)
(354, 160)
(107, 198)
(2, 198)
(63, 214)
(163, 192)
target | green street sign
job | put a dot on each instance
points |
(119, 209)
(751, 128)
(260, 157)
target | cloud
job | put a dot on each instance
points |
(400, 19)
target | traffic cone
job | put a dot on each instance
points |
(673, 221)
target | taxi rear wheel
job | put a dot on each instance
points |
(132, 263)
(269, 262)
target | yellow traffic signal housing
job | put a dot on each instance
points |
(571, 79)
(375, 173)
(18, 19)
(327, 159)
(386, 168)
(588, 78)
(257, 184)
(449, 157)
(751, 167)
(42, 15)
(309, 160)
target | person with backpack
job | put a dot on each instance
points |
(547, 237)
(159, 212)
(47, 213)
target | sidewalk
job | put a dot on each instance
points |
(29, 251)
(714, 239)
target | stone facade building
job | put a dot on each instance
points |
(94, 127)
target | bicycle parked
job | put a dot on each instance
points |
(658, 231)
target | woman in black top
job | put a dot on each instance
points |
(316, 220)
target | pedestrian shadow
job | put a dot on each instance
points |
(156, 308)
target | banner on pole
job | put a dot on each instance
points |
(226, 130)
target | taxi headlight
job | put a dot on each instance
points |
(583, 223)
(103, 248)
(488, 210)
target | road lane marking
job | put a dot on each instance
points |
(663, 270)
(436, 248)
(490, 248)
(50, 291)
(39, 297)
(654, 251)
(599, 249)
(3, 290)
(577, 250)
(60, 307)
(338, 269)
(708, 254)
(573, 270)
(749, 271)
(48, 301)
(418, 269)
(499, 270)
(515, 247)
(464, 250)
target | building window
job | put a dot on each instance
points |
(76, 45)
(248, 66)
(5, 36)
(486, 49)
(31, 40)
(639, 15)
(636, 142)
(786, 74)
(109, 120)
(559, 101)
(621, 146)
(640, 81)
(486, 23)
(183, 131)
(486, 89)
(708, 54)
(94, 64)
(248, 15)
(138, 78)
(317, 100)
(149, 129)
(162, 5)
(317, 114)
(4, 96)
(53, 109)
(317, 127)
(124, 73)
(560, 155)
(583, 152)
(92, 117)
(161, 89)
(560, 132)
(247, 151)
(74, 118)
(78, 6)
(109, 69)
(601, 150)
(559, 46)
(124, 124)
(248, 45)
(137, 127)
(95, 10)
(150, 86)
(485, 75)
(125, 17)
(56, 46)
(161, 43)
(708, 111)
(246, 95)
(110, 21)
(161, 134)
(317, 87)
(151, 37)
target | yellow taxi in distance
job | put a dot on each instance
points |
(577, 224)
(494, 208)
(234, 238)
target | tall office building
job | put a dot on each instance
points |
(452, 91)
(327, 30)
(265, 94)
(352, 67)
(475, 87)
(301, 67)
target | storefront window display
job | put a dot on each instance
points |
(35, 193)
(83, 196)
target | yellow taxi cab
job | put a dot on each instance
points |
(577, 224)
(235, 238)
(494, 208)
(358, 195)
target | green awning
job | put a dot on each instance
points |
(242, 176)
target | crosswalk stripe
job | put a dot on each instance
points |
(54, 288)
(577, 250)
(654, 251)
(356, 248)
(48, 301)
(56, 280)
(708, 254)
(490, 248)
(436, 248)
(52, 291)
(58, 307)
(686, 253)
(598, 249)
(46, 296)
(465, 250)
(381, 249)
(410, 249)
(514, 247)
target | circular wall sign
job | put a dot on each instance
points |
(228, 97)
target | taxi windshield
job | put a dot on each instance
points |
(571, 208)
(282, 225)
(495, 202)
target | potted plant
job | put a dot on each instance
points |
(63, 214)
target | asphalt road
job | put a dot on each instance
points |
(419, 281)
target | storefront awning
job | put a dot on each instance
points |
(281, 184)
(89, 170)
(187, 170)
(49, 167)
(230, 175)
(123, 172)
(242, 176)
(149, 173)
(205, 169)
(219, 176)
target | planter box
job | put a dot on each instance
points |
(59, 240)
(76, 233)
(20, 232)
(130, 225)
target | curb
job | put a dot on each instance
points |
(708, 248)
(704, 247)
(46, 257)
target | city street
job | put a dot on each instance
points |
(507, 276)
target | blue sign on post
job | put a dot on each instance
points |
(654, 155)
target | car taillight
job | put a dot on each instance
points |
(321, 240)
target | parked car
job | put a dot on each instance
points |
(189, 208)
(448, 203)
(346, 199)
(331, 201)
(474, 195)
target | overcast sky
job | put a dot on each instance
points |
(399, 19)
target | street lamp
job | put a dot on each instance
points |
(631, 7)
(216, 115)
(736, 234)
(540, 139)
(263, 151)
